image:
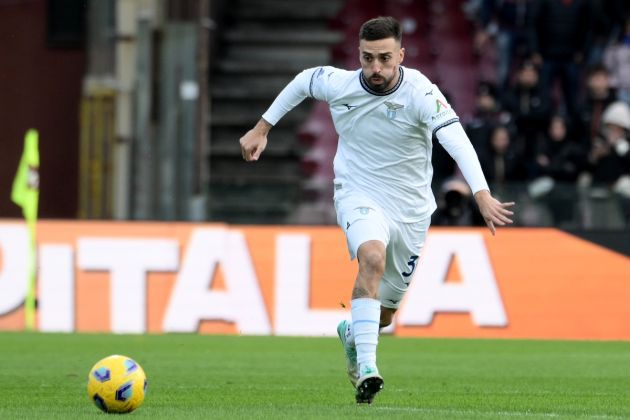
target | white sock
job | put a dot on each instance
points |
(366, 315)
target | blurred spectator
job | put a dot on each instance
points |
(610, 154)
(558, 34)
(506, 21)
(456, 206)
(471, 8)
(617, 60)
(529, 106)
(599, 95)
(486, 116)
(607, 25)
(502, 163)
(559, 162)
(559, 156)
(609, 159)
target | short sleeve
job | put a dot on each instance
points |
(435, 111)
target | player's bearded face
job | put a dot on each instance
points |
(380, 60)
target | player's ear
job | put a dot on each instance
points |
(402, 55)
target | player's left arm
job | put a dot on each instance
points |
(454, 139)
(493, 211)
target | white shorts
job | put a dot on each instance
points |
(363, 220)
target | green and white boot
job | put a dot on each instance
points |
(369, 384)
(351, 352)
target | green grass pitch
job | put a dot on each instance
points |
(43, 376)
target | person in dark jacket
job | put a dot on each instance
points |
(560, 160)
(486, 116)
(599, 94)
(607, 25)
(559, 32)
(506, 20)
(503, 162)
(559, 156)
(530, 106)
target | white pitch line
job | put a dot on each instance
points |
(488, 413)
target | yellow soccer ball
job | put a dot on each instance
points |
(117, 384)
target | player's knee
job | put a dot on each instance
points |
(372, 261)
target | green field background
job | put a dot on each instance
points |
(43, 376)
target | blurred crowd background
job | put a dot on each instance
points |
(551, 122)
(140, 105)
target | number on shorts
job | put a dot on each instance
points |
(412, 265)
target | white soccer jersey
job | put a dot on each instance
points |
(385, 145)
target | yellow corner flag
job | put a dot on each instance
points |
(25, 193)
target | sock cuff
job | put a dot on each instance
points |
(365, 303)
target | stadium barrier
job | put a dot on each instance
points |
(137, 277)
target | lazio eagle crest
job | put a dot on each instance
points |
(392, 107)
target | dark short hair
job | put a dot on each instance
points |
(381, 27)
(596, 69)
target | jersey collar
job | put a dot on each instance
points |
(364, 84)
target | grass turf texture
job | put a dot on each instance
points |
(43, 376)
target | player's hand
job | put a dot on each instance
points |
(493, 211)
(253, 143)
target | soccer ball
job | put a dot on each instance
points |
(117, 384)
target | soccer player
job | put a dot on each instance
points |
(385, 115)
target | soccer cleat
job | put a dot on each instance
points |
(351, 353)
(368, 385)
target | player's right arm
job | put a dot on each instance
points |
(253, 143)
(309, 83)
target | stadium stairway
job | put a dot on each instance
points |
(265, 43)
